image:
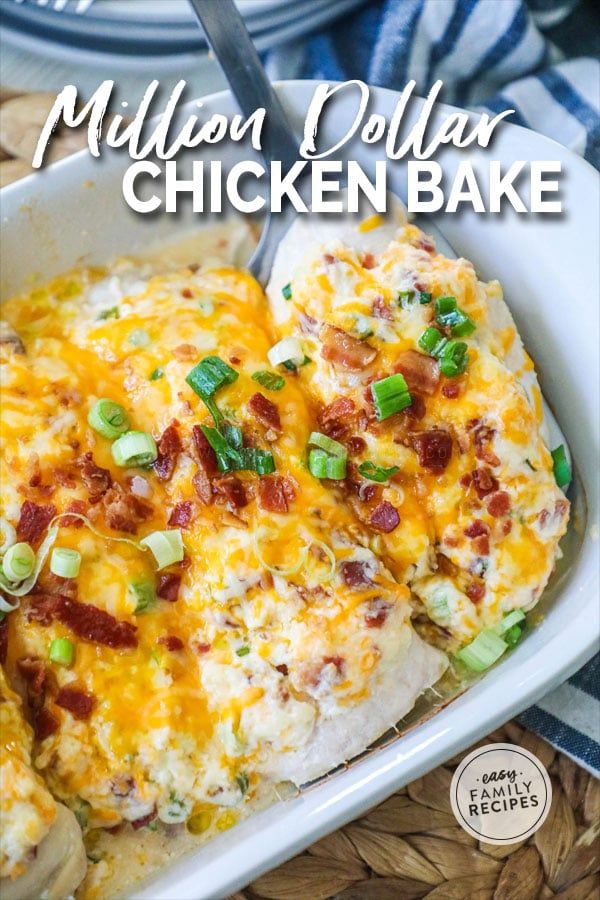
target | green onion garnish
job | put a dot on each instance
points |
(390, 396)
(447, 313)
(136, 448)
(432, 342)
(228, 457)
(144, 595)
(425, 297)
(454, 358)
(561, 467)
(322, 465)
(243, 782)
(483, 652)
(62, 652)
(260, 461)
(156, 374)
(139, 338)
(512, 636)
(18, 562)
(286, 290)
(108, 418)
(233, 435)
(243, 651)
(65, 562)
(405, 298)
(380, 474)
(269, 380)
(330, 446)
(510, 619)
(112, 313)
(207, 377)
(166, 546)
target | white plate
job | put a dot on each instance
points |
(548, 265)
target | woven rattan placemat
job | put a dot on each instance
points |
(410, 846)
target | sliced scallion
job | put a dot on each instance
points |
(156, 374)
(425, 297)
(111, 313)
(510, 619)
(269, 380)
(65, 562)
(322, 465)
(260, 461)
(405, 299)
(287, 350)
(432, 342)
(326, 443)
(207, 377)
(482, 652)
(144, 595)
(139, 337)
(561, 467)
(228, 457)
(447, 313)
(136, 448)
(390, 395)
(454, 358)
(512, 636)
(18, 562)
(108, 418)
(376, 473)
(286, 290)
(166, 546)
(243, 651)
(62, 652)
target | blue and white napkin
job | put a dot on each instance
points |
(489, 53)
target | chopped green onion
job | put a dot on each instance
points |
(288, 350)
(8, 587)
(432, 342)
(62, 652)
(380, 474)
(207, 377)
(8, 534)
(136, 448)
(243, 782)
(405, 298)
(18, 562)
(228, 457)
(513, 635)
(561, 467)
(483, 652)
(139, 338)
(390, 396)
(269, 380)
(156, 374)
(286, 290)
(65, 562)
(165, 546)
(510, 619)
(322, 465)
(243, 651)
(112, 313)
(233, 435)
(108, 418)
(260, 461)
(330, 446)
(144, 595)
(447, 313)
(425, 297)
(454, 358)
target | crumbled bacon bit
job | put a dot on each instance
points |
(201, 647)
(475, 591)
(75, 506)
(124, 511)
(384, 517)
(207, 457)
(342, 349)
(481, 545)
(234, 360)
(265, 411)
(182, 514)
(377, 613)
(506, 527)
(451, 390)
(169, 447)
(231, 488)
(368, 261)
(381, 310)
(271, 494)
(171, 642)
(484, 482)
(282, 669)
(434, 449)
(203, 487)
(33, 671)
(354, 573)
(417, 408)
(422, 373)
(87, 621)
(328, 259)
(465, 480)
(186, 353)
(33, 521)
(187, 293)
(338, 661)
(476, 529)
(143, 820)
(499, 504)
(168, 586)
(79, 703)
(356, 445)
(96, 479)
(426, 244)
(482, 438)
(341, 410)
(45, 723)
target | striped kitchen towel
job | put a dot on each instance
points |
(491, 54)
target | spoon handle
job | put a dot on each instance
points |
(232, 45)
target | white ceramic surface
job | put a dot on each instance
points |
(74, 213)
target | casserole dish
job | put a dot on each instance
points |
(546, 268)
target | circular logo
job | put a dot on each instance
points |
(500, 794)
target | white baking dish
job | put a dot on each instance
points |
(74, 214)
